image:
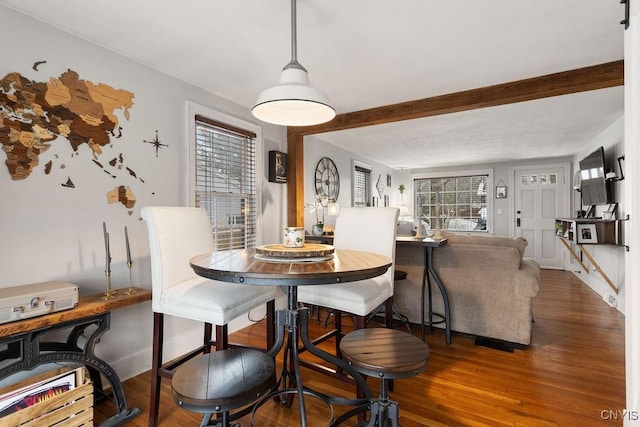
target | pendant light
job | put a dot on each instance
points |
(293, 102)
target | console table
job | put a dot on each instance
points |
(24, 347)
(429, 272)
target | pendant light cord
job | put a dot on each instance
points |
(294, 40)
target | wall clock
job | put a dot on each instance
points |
(327, 179)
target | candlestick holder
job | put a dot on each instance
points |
(130, 290)
(110, 294)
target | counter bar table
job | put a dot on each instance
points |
(429, 272)
(241, 267)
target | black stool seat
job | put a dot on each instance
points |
(399, 275)
(221, 381)
(385, 353)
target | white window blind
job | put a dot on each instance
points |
(361, 186)
(225, 169)
(462, 202)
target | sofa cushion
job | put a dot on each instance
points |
(520, 243)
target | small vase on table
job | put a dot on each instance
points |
(317, 229)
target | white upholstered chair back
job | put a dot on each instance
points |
(176, 234)
(371, 229)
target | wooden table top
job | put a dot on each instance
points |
(400, 240)
(241, 266)
(88, 305)
(412, 241)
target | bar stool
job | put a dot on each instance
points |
(221, 381)
(386, 354)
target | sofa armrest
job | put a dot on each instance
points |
(528, 279)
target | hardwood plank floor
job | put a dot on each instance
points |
(572, 371)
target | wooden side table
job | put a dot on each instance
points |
(25, 345)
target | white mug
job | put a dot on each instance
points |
(294, 237)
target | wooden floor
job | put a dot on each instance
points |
(572, 372)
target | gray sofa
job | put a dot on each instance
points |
(490, 286)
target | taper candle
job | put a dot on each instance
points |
(106, 248)
(126, 239)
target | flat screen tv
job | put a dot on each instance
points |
(593, 183)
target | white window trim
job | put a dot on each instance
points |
(457, 173)
(191, 110)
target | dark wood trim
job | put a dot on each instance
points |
(295, 178)
(563, 83)
(225, 126)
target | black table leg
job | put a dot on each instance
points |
(429, 272)
(294, 323)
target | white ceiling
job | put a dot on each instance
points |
(369, 53)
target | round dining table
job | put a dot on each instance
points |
(243, 267)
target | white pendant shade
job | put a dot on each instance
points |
(293, 102)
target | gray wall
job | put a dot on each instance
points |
(49, 232)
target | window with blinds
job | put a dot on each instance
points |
(361, 186)
(225, 175)
(459, 203)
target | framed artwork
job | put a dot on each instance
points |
(380, 185)
(587, 233)
(278, 167)
(610, 213)
(613, 207)
(501, 190)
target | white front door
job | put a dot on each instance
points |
(539, 200)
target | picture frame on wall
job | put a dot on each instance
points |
(501, 190)
(587, 233)
(278, 167)
(610, 212)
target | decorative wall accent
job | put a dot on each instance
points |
(278, 167)
(36, 114)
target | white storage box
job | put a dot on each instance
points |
(36, 299)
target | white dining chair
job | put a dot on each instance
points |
(371, 229)
(176, 234)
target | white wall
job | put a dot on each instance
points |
(314, 150)
(610, 258)
(49, 232)
(501, 223)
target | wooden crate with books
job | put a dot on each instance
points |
(62, 396)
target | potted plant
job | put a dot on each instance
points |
(401, 188)
(317, 207)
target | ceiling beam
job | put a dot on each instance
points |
(600, 76)
(579, 80)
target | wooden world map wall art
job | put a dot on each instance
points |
(34, 114)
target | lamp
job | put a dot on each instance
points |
(293, 102)
(333, 208)
(404, 212)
